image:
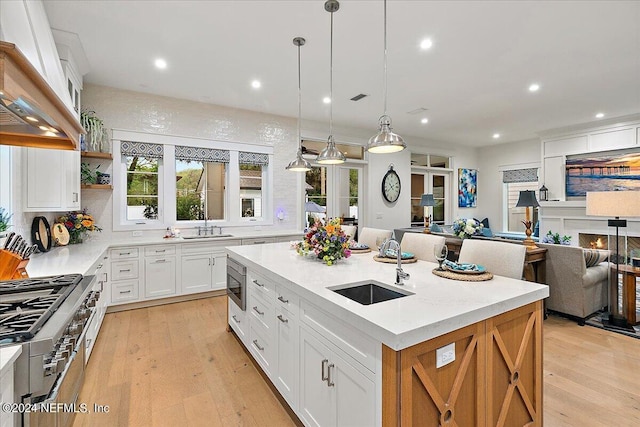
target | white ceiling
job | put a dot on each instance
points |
(584, 54)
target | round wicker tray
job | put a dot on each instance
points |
(394, 261)
(461, 276)
(360, 251)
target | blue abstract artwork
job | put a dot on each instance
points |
(467, 188)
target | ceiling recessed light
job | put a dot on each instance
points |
(256, 84)
(599, 115)
(44, 128)
(534, 87)
(424, 121)
(31, 119)
(326, 100)
(160, 63)
(496, 135)
(426, 44)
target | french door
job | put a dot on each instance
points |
(334, 191)
(437, 183)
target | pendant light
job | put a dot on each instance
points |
(385, 141)
(331, 155)
(299, 164)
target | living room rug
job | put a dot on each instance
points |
(596, 320)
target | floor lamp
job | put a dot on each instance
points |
(614, 204)
(427, 200)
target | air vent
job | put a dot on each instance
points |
(418, 111)
(358, 97)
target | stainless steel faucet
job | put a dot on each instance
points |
(400, 273)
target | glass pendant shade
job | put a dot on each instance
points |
(385, 141)
(331, 155)
(299, 164)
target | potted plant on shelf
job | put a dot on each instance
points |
(4, 224)
(94, 126)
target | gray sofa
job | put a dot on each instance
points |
(574, 289)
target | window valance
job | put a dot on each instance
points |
(520, 175)
(245, 158)
(146, 149)
(201, 154)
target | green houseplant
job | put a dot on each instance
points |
(93, 125)
(4, 220)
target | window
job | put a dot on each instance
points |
(430, 174)
(334, 191)
(199, 190)
(516, 180)
(142, 188)
(251, 191)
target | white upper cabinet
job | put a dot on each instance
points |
(74, 64)
(25, 24)
(52, 180)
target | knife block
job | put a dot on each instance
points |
(12, 266)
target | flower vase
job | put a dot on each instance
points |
(76, 237)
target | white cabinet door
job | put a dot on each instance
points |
(52, 180)
(317, 407)
(219, 271)
(354, 394)
(196, 273)
(287, 378)
(159, 276)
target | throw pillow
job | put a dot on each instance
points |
(595, 256)
(486, 232)
(435, 228)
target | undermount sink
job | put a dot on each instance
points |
(208, 236)
(369, 292)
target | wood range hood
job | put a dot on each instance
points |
(31, 113)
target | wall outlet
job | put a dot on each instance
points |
(445, 355)
(136, 233)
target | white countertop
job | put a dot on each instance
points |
(439, 305)
(7, 356)
(79, 258)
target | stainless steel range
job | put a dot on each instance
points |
(47, 316)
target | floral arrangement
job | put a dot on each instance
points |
(555, 238)
(78, 223)
(465, 228)
(328, 242)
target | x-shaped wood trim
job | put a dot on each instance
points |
(457, 382)
(515, 368)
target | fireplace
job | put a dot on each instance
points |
(602, 241)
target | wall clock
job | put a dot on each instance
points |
(391, 186)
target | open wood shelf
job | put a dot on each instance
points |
(96, 155)
(96, 186)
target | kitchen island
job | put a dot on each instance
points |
(485, 338)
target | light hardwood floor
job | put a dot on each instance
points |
(176, 365)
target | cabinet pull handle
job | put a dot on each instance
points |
(324, 366)
(235, 318)
(258, 283)
(282, 300)
(159, 261)
(124, 271)
(99, 266)
(158, 251)
(213, 260)
(125, 253)
(330, 382)
(258, 242)
(255, 308)
(282, 319)
(75, 197)
(255, 342)
(126, 292)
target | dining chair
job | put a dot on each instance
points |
(501, 258)
(349, 230)
(421, 245)
(368, 236)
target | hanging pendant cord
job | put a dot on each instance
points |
(331, 80)
(299, 102)
(385, 57)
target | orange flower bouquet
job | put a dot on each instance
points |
(328, 242)
(78, 224)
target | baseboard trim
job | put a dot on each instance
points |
(163, 301)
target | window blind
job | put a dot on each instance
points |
(201, 154)
(145, 149)
(245, 158)
(520, 175)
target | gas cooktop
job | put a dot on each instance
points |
(26, 304)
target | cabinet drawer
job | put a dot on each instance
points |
(212, 245)
(160, 250)
(359, 346)
(262, 349)
(124, 253)
(238, 322)
(124, 291)
(262, 313)
(258, 241)
(258, 283)
(123, 270)
(287, 300)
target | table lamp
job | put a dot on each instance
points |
(527, 199)
(614, 204)
(427, 200)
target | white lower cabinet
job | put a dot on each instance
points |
(238, 321)
(333, 392)
(204, 267)
(286, 378)
(159, 276)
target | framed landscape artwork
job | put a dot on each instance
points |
(602, 172)
(467, 188)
